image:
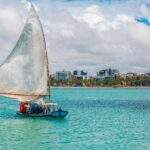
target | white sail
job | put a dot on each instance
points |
(23, 75)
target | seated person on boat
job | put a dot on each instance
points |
(38, 107)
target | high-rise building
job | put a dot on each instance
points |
(80, 74)
(63, 75)
(147, 74)
(114, 71)
(106, 73)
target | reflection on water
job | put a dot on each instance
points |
(129, 104)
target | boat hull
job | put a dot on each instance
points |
(60, 114)
(55, 114)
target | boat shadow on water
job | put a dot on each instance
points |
(47, 119)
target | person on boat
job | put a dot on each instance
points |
(45, 108)
(27, 106)
(41, 104)
(35, 108)
(22, 105)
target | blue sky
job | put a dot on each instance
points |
(87, 34)
(143, 20)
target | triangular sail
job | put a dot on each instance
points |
(23, 74)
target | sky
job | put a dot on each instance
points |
(86, 35)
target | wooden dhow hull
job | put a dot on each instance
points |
(55, 114)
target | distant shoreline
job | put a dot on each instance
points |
(105, 87)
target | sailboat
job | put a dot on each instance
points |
(24, 75)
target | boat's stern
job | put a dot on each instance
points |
(59, 114)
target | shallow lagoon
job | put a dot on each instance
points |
(115, 119)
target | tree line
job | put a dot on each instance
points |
(107, 82)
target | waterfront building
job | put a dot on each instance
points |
(147, 74)
(113, 71)
(80, 74)
(122, 75)
(107, 73)
(131, 74)
(63, 75)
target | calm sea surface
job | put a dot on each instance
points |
(99, 119)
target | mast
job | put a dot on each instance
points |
(48, 74)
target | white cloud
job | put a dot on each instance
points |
(11, 21)
(92, 15)
(145, 10)
(120, 42)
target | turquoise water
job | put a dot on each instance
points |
(99, 119)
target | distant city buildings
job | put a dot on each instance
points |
(67, 75)
(101, 74)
